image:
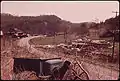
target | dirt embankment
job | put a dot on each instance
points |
(96, 72)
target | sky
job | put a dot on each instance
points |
(74, 11)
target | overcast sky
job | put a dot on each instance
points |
(77, 11)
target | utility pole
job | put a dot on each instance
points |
(66, 32)
(65, 36)
(115, 12)
(114, 37)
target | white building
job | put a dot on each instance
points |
(1, 33)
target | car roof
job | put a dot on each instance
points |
(39, 58)
(54, 61)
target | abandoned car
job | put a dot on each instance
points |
(41, 69)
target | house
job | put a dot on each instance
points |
(1, 33)
(16, 33)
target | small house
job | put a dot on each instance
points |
(1, 33)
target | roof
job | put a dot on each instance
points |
(38, 58)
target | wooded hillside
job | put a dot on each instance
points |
(51, 24)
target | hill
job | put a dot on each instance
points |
(52, 24)
(43, 24)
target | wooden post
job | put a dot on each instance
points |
(113, 46)
(113, 38)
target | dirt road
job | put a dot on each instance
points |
(96, 72)
(24, 42)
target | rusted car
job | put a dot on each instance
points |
(41, 69)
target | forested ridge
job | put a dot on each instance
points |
(52, 24)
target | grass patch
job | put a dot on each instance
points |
(50, 40)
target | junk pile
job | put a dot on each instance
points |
(89, 47)
(101, 49)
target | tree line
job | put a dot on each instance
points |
(52, 24)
